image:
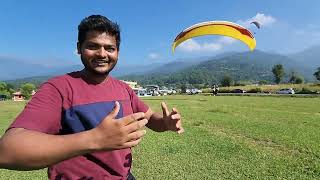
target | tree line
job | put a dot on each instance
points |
(195, 78)
(204, 78)
(7, 90)
(279, 73)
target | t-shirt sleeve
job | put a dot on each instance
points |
(43, 111)
(137, 104)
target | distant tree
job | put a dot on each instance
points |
(4, 89)
(11, 91)
(206, 85)
(183, 88)
(26, 90)
(299, 80)
(3, 86)
(10, 86)
(278, 72)
(262, 82)
(242, 83)
(317, 74)
(295, 78)
(226, 80)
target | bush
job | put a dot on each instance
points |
(226, 81)
(255, 90)
(263, 82)
(305, 90)
(207, 90)
(299, 80)
(224, 91)
(242, 83)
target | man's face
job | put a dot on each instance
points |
(99, 52)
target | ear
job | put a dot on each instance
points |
(78, 48)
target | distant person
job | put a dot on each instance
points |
(82, 125)
(215, 89)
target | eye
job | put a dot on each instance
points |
(92, 46)
(110, 49)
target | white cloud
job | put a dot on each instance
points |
(153, 56)
(226, 40)
(262, 19)
(211, 47)
(192, 45)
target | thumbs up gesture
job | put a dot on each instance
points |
(172, 119)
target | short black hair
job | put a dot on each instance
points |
(98, 23)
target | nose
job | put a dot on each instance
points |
(101, 53)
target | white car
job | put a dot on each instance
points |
(195, 91)
(286, 91)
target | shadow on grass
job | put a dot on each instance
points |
(217, 110)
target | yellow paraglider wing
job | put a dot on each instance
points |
(224, 28)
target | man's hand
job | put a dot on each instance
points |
(172, 120)
(112, 134)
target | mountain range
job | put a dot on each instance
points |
(309, 57)
(251, 66)
(245, 66)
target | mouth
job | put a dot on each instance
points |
(99, 62)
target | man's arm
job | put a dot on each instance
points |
(165, 122)
(22, 149)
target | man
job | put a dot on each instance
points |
(82, 125)
(215, 89)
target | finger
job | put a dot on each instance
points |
(136, 125)
(136, 135)
(132, 143)
(132, 118)
(179, 127)
(180, 131)
(178, 124)
(176, 116)
(115, 111)
(139, 116)
(165, 110)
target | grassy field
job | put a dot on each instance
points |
(8, 111)
(227, 137)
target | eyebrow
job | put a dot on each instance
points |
(106, 45)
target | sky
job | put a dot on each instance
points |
(45, 32)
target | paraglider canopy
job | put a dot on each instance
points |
(256, 23)
(223, 28)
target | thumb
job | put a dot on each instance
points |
(113, 114)
(165, 110)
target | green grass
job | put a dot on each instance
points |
(227, 137)
(8, 111)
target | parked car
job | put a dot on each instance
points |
(286, 91)
(238, 91)
(172, 91)
(193, 91)
(196, 91)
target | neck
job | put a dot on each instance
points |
(94, 77)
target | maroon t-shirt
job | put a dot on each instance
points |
(71, 103)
